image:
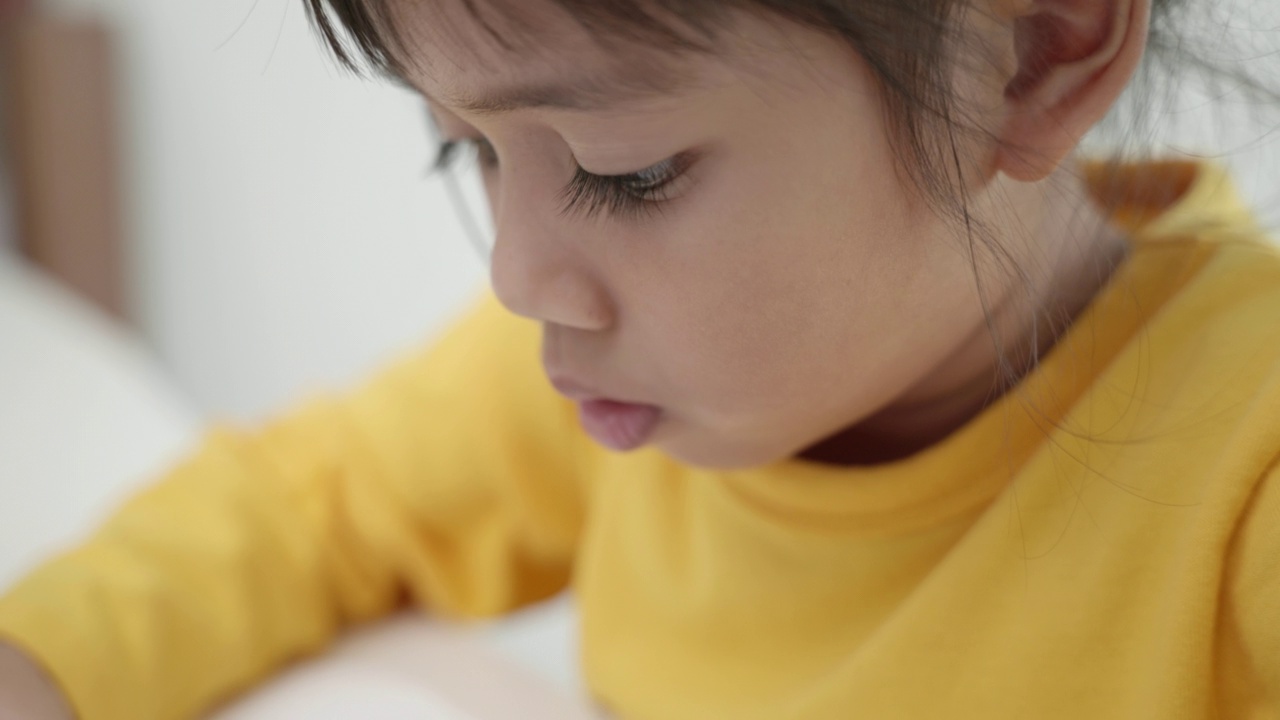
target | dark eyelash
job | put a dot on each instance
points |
(627, 197)
(447, 155)
(444, 157)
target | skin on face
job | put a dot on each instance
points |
(793, 295)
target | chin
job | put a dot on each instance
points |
(714, 453)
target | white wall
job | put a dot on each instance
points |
(286, 236)
(286, 239)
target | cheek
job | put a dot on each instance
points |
(774, 268)
(762, 335)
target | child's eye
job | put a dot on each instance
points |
(627, 197)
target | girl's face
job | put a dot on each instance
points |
(783, 283)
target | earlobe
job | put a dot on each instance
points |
(1074, 57)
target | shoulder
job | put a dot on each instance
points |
(1227, 298)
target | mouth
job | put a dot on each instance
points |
(617, 424)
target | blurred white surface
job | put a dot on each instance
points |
(336, 691)
(412, 667)
(85, 415)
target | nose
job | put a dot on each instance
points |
(538, 272)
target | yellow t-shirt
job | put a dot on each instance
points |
(1102, 542)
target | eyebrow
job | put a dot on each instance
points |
(585, 94)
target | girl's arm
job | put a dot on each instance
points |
(451, 481)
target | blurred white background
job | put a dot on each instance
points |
(285, 237)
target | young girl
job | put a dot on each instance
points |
(820, 363)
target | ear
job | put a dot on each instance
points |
(1074, 57)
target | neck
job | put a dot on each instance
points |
(1065, 261)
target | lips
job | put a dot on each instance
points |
(617, 424)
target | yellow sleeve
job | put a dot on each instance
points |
(454, 480)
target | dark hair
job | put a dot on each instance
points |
(910, 45)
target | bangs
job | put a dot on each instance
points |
(364, 37)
